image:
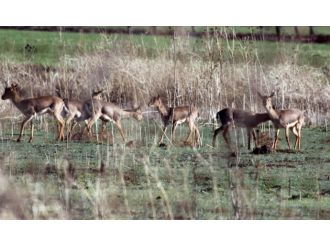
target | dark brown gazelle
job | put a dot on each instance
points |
(33, 107)
(229, 117)
(109, 112)
(287, 119)
(175, 116)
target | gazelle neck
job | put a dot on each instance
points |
(272, 113)
(162, 109)
(16, 99)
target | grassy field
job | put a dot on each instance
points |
(89, 180)
(48, 48)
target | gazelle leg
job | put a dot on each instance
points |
(198, 136)
(287, 136)
(249, 137)
(118, 124)
(225, 135)
(90, 124)
(175, 124)
(69, 126)
(32, 127)
(25, 121)
(192, 128)
(73, 125)
(254, 135)
(295, 132)
(82, 132)
(58, 127)
(215, 133)
(104, 130)
(189, 134)
(298, 132)
(164, 131)
(103, 127)
(88, 128)
(61, 125)
(277, 132)
(84, 129)
(194, 133)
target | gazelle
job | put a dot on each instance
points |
(287, 119)
(109, 112)
(176, 116)
(77, 111)
(239, 118)
(36, 106)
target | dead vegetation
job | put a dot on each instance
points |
(205, 77)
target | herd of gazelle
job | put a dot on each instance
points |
(94, 108)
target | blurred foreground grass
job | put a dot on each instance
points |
(88, 180)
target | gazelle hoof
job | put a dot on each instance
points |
(162, 145)
(233, 154)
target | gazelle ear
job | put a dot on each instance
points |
(272, 94)
(6, 83)
(95, 92)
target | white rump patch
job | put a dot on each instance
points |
(181, 121)
(106, 117)
(43, 111)
(78, 114)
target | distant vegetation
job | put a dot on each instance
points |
(47, 48)
(293, 30)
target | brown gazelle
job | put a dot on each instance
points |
(229, 117)
(109, 112)
(36, 106)
(287, 119)
(77, 111)
(175, 116)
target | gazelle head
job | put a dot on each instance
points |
(267, 100)
(138, 114)
(97, 94)
(10, 92)
(155, 101)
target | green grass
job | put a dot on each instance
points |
(49, 47)
(147, 182)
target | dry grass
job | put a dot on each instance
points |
(182, 75)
